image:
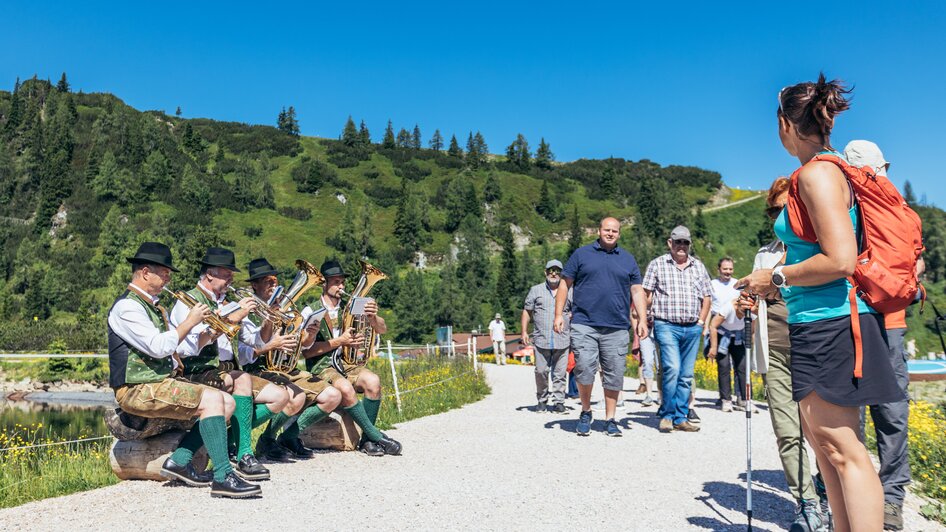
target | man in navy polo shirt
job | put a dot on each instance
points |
(605, 278)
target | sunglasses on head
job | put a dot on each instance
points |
(780, 98)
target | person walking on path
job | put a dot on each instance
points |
(724, 292)
(648, 355)
(551, 348)
(606, 279)
(679, 287)
(890, 419)
(813, 282)
(497, 332)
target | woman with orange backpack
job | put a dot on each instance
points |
(839, 358)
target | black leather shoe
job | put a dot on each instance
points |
(296, 447)
(234, 487)
(250, 469)
(371, 448)
(390, 445)
(186, 474)
(269, 449)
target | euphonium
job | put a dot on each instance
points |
(358, 355)
(214, 321)
(282, 361)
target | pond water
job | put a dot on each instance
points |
(51, 422)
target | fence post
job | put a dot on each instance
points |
(453, 348)
(472, 350)
(397, 391)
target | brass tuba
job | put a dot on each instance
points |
(278, 360)
(216, 323)
(359, 355)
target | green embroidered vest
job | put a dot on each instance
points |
(138, 367)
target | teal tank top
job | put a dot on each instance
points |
(814, 303)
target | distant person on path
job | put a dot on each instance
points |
(551, 348)
(679, 287)
(813, 282)
(890, 419)
(648, 354)
(771, 351)
(605, 279)
(733, 354)
(497, 332)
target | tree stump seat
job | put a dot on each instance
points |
(338, 432)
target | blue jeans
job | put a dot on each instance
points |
(678, 346)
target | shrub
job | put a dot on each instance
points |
(296, 213)
(253, 231)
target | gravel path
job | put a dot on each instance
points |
(492, 465)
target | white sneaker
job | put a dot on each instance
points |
(727, 406)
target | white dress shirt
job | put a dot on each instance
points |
(189, 346)
(130, 321)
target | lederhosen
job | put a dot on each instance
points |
(301, 381)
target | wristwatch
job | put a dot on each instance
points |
(778, 278)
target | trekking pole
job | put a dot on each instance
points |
(747, 334)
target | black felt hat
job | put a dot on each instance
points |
(259, 268)
(153, 253)
(220, 258)
(331, 268)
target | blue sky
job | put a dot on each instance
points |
(677, 83)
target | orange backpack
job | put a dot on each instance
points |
(890, 241)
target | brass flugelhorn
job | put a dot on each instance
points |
(276, 316)
(214, 321)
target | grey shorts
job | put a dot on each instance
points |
(600, 345)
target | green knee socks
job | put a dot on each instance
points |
(357, 413)
(261, 415)
(242, 424)
(275, 424)
(190, 444)
(372, 406)
(213, 431)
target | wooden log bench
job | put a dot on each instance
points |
(338, 432)
(142, 445)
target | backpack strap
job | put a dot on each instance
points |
(856, 330)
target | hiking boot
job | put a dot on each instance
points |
(612, 429)
(727, 406)
(295, 446)
(234, 487)
(743, 405)
(808, 517)
(648, 401)
(559, 408)
(269, 449)
(641, 389)
(541, 407)
(584, 424)
(249, 468)
(186, 473)
(822, 492)
(893, 516)
(666, 425)
(686, 426)
(693, 417)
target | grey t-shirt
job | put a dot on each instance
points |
(541, 303)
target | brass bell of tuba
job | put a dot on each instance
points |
(358, 355)
(285, 361)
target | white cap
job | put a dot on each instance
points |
(862, 153)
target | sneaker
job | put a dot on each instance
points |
(612, 429)
(249, 468)
(808, 517)
(666, 425)
(234, 487)
(541, 407)
(584, 424)
(893, 516)
(686, 426)
(742, 405)
(559, 408)
(822, 492)
(648, 401)
(727, 406)
(693, 417)
(641, 389)
(186, 473)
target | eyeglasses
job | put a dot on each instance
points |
(681, 242)
(773, 211)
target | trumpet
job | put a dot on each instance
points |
(276, 316)
(216, 323)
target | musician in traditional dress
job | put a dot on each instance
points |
(144, 372)
(315, 397)
(356, 378)
(208, 358)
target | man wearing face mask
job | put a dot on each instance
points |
(551, 348)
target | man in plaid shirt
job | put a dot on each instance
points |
(678, 286)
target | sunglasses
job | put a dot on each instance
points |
(780, 98)
(553, 272)
(681, 242)
(773, 211)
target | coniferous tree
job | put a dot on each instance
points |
(517, 153)
(492, 192)
(106, 179)
(436, 141)
(473, 269)
(908, 195)
(575, 234)
(342, 239)
(63, 85)
(608, 184)
(482, 150)
(460, 202)
(404, 139)
(409, 227)
(364, 134)
(454, 149)
(281, 120)
(449, 295)
(156, 174)
(292, 124)
(15, 116)
(699, 226)
(194, 192)
(415, 138)
(178, 112)
(544, 155)
(412, 308)
(350, 136)
(364, 235)
(547, 206)
(389, 141)
(506, 278)
(472, 156)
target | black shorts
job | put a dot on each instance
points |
(823, 362)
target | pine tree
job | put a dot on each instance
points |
(415, 138)
(482, 150)
(364, 233)
(547, 206)
(908, 195)
(404, 139)
(281, 121)
(492, 192)
(408, 220)
(699, 226)
(63, 85)
(292, 124)
(454, 149)
(436, 141)
(544, 155)
(389, 141)
(350, 135)
(473, 269)
(517, 153)
(178, 112)
(575, 234)
(461, 201)
(342, 239)
(156, 174)
(449, 296)
(106, 179)
(364, 134)
(472, 156)
(15, 115)
(194, 192)
(608, 183)
(506, 282)
(412, 308)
